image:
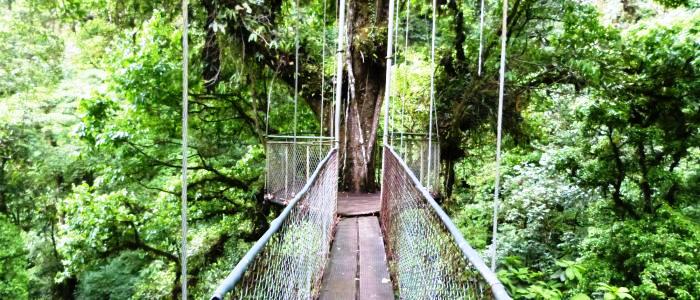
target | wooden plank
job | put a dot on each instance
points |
(375, 282)
(350, 205)
(339, 276)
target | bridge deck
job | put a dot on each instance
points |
(351, 205)
(357, 268)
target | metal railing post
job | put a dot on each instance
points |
(308, 162)
(286, 171)
(420, 161)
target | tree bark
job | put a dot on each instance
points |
(365, 58)
(367, 65)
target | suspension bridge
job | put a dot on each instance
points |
(396, 244)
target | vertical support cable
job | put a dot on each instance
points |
(481, 37)
(432, 95)
(405, 59)
(267, 126)
(185, 104)
(501, 86)
(339, 71)
(387, 89)
(296, 89)
(396, 26)
(323, 78)
(331, 110)
(389, 63)
(392, 111)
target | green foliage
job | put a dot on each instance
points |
(527, 284)
(654, 257)
(95, 39)
(542, 212)
(613, 292)
(13, 262)
(609, 173)
(677, 3)
(601, 164)
(27, 51)
(127, 276)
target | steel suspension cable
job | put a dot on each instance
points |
(501, 86)
(270, 85)
(185, 115)
(432, 94)
(389, 60)
(387, 90)
(405, 60)
(339, 71)
(397, 24)
(481, 37)
(331, 110)
(267, 121)
(323, 77)
(296, 82)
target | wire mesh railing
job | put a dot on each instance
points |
(428, 255)
(413, 149)
(288, 260)
(290, 162)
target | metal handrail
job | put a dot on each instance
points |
(305, 142)
(396, 133)
(300, 137)
(235, 276)
(499, 291)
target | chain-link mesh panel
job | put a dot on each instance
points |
(413, 149)
(427, 258)
(288, 261)
(289, 164)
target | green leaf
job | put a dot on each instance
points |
(580, 296)
(570, 273)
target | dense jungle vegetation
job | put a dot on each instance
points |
(601, 184)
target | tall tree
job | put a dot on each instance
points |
(260, 29)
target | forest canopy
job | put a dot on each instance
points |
(601, 154)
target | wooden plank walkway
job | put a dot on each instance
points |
(357, 268)
(339, 275)
(350, 205)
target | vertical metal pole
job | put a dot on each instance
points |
(297, 21)
(308, 162)
(481, 38)
(387, 91)
(286, 171)
(432, 95)
(339, 71)
(185, 105)
(389, 63)
(323, 80)
(421, 161)
(498, 135)
(267, 166)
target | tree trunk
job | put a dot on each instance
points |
(366, 65)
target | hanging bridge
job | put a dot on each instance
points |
(398, 244)
(326, 245)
